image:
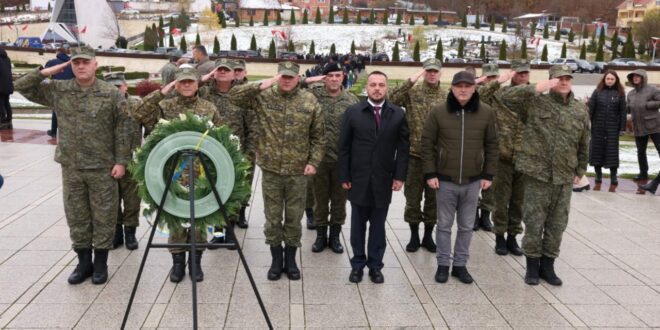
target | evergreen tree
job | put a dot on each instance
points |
(374, 50)
(558, 32)
(523, 49)
(291, 47)
(312, 48)
(233, 42)
(161, 35)
(628, 47)
(353, 47)
(216, 45)
(198, 41)
(317, 20)
(160, 22)
(641, 50)
(563, 51)
(583, 51)
(532, 30)
(358, 19)
(278, 18)
(601, 37)
(544, 53)
(385, 22)
(416, 51)
(503, 50)
(585, 33)
(504, 26)
(331, 15)
(546, 33)
(492, 24)
(439, 51)
(266, 14)
(439, 15)
(477, 22)
(599, 53)
(251, 20)
(292, 18)
(344, 19)
(482, 51)
(372, 17)
(426, 19)
(2, 7)
(253, 43)
(398, 18)
(571, 35)
(171, 41)
(464, 20)
(184, 45)
(272, 52)
(305, 17)
(237, 21)
(172, 24)
(615, 45)
(49, 7)
(395, 52)
(333, 49)
(461, 48)
(221, 19)
(147, 35)
(411, 22)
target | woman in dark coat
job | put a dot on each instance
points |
(6, 89)
(607, 110)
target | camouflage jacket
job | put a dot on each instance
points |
(135, 135)
(555, 142)
(229, 113)
(156, 106)
(418, 99)
(333, 107)
(509, 125)
(93, 121)
(167, 73)
(291, 128)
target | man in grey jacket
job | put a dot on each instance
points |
(643, 104)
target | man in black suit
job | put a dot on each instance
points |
(373, 160)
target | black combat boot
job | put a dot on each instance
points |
(321, 239)
(242, 221)
(475, 227)
(100, 275)
(651, 186)
(500, 245)
(217, 239)
(427, 240)
(462, 274)
(290, 266)
(547, 271)
(84, 269)
(413, 245)
(512, 245)
(277, 265)
(334, 242)
(178, 267)
(118, 239)
(310, 219)
(484, 221)
(131, 241)
(199, 273)
(532, 273)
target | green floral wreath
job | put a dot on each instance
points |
(179, 187)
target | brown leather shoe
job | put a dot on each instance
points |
(597, 186)
(641, 191)
(613, 187)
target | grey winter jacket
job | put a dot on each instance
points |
(644, 105)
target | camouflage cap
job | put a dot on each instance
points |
(115, 78)
(432, 64)
(82, 52)
(224, 63)
(288, 68)
(186, 73)
(521, 65)
(490, 69)
(560, 71)
(239, 64)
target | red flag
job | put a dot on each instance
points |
(175, 31)
(272, 32)
(283, 35)
(11, 27)
(24, 27)
(84, 29)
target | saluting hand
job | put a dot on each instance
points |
(266, 84)
(53, 70)
(546, 85)
(417, 75)
(168, 88)
(209, 75)
(480, 80)
(118, 171)
(314, 79)
(506, 77)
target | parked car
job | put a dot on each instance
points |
(164, 50)
(636, 63)
(584, 66)
(383, 57)
(129, 11)
(538, 62)
(599, 67)
(287, 55)
(248, 54)
(499, 62)
(621, 61)
(656, 62)
(441, 23)
(572, 63)
(456, 60)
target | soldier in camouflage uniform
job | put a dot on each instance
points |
(128, 216)
(489, 73)
(508, 184)
(418, 99)
(291, 147)
(93, 150)
(250, 130)
(330, 197)
(168, 71)
(553, 155)
(156, 106)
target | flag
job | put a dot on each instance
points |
(84, 29)
(24, 27)
(283, 35)
(175, 31)
(272, 32)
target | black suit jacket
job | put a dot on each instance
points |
(372, 158)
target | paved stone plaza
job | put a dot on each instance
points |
(610, 265)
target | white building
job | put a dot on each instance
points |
(88, 21)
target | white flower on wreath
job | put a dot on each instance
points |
(235, 139)
(182, 116)
(163, 121)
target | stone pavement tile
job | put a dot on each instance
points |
(296, 293)
(49, 316)
(569, 276)
(422, 260)
(580, 294)
(393, 275)
(451, 294)
(179, 315)
(35, 258)
(640, 261)
(60, 231)
(335, 315)
(652, 274)
(471, 315)
(110, 316)
(271, 293)
(118, 291)
(532, 316)
(330, 294)
(297, 316)
(633, 295)
(154, 316)
(12, 290)
(14, 243)
(5, 254)
(207, 292)
(48, 244)
(609, 277)
(259, 274)
(60, 291)
(605, 316)
(396, 315)
(249, 315)
(587, 261)
(323, 259)
(334, 275)
(649, 314)
(254, 245)
(434, 315)
(390, 293)
(11, 273)
(512, 294)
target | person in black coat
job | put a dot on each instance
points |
(373, 160)
(6, 89)
(607, 110)
(66, 74)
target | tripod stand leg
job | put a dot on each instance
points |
(192, 229)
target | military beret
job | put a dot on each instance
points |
(239, 64)
(186, 73)
(560, 71)
(521, 65)
(463, 77)
(224, 63)
(115, 78)
(288, 68)
(332, 67)
(432, 64)
(490, 69)
(82, 52)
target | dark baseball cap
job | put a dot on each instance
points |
(463, 77)
(332, 67)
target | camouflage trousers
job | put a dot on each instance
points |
(129, 199)
(545, 213)
(487, 200)
(309, 200)
(414, 190)
(90, 204)
(284, 195)
(250, 178)
(183, 235)
(509, 195)
(329, 196)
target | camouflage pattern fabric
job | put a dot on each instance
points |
(332, 108)
(229, 114)
(509, 124)
(309, 199)
(487, 199)
(155, 107)
(413, 189)
(330, 197)
(277, 188)
(129, 201)
(509, 192)
(182, 235)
